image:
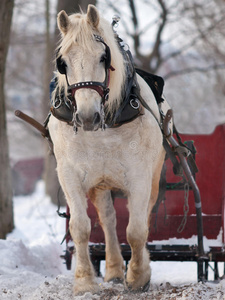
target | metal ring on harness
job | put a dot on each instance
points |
(57, 103)
(136, 105)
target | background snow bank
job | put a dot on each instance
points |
(31, 267)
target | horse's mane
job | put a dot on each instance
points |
(82, 33)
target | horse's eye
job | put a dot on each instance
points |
(103, 58)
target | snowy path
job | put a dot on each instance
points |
(31, 269)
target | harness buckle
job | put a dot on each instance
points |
(57, 103)
(134, 103)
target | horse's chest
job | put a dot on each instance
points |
(105, 159)
(102, 167)
(99, 164)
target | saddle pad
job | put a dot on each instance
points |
(156, 83)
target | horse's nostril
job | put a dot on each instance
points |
(88, 123)
(97, 118)
(78, 120)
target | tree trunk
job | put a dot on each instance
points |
(50, 177)
(71, 6)
(6, 207)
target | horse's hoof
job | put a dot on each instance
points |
(142, 289)
(146, 287)
(117, 280)
(84, 285)
(81, 291)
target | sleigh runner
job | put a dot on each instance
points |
(132, 123)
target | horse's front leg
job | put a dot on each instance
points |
(138, 273)
(102, 200)
(80, 228)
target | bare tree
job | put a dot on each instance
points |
(154, 54)
(184, 24)
(6, 207)
(50, 177)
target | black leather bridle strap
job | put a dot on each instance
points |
(99, 87)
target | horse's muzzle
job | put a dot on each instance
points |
(88, 124)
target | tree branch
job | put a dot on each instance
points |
(136, 36)
(194, 69)
(193, 42)
(155, 54)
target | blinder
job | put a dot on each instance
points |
(60, 63)
(107, 57)
(107, 52)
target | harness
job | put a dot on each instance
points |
(132, 105)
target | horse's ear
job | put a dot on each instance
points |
(92, 15)
(63, 21)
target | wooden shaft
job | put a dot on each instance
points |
(32, 122)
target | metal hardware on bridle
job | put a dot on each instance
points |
(115, 21)
(57, 103)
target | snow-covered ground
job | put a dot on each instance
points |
(31, 267)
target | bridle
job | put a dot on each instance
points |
(101, 87)
(64, 106)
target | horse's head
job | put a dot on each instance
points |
(84, 64)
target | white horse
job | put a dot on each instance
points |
(93, 162)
